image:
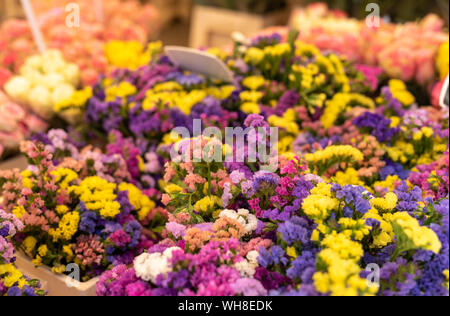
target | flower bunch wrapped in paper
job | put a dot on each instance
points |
(12, 281)
(78, 206)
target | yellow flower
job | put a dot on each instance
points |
(131, 55)
(388, 184)
(173, 188)
(421, 237)
(287, 122)
(98, 195)
(37, 261)
(251, 96)
(401, 93)
(342, 102)
(62, 209)
(26, 181)
(291, 252)
(319, 206)
(442, 60)
(43, 250)
(349, 177)
(254, 56)
(341, 153)
(254, 82)
(29, 244)
(395, 121)
(339, 271)
(67, 250)
(427, 132)
(19, 211)
(64, 177)
(78, 99)
(122, 90)
(67, 227)
(10, 274)
(207, 204)
(386, 204)
(250, 108)
(59, 269)
(142, 203)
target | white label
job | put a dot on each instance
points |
(444, 99)
(31, 17)
(200, 62)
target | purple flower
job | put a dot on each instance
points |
(249, 287)
(378, 126)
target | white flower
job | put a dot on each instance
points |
(247, 267)
(149, 266)
(18, 88)
(52, 81)
(53, 62)
(32, 62)
(62, 93)
(252, 257)
(40, 102)
(243, 216)
(71, 74)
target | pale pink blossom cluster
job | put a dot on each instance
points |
(16, 124)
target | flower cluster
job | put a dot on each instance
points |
(16, 125)
(357, 178)
(44, 81)
(360, 180)
(12, 281)
(78, 206)
(404, 51)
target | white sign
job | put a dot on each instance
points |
(444, 99)
(31, 17)
(200, 62)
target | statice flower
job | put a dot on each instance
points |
(353, 195)
(297, 229)
(378, 125)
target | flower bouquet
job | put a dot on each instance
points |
(12, 281)
(79, 211)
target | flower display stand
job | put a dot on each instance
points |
(212, 27)
(56, 285)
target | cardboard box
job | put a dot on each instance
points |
(56, 285)
(212, 27)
